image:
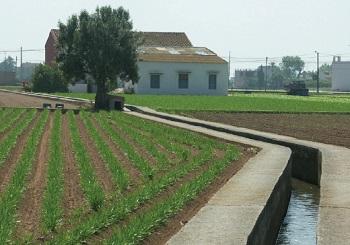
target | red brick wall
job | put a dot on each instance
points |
(50, 51)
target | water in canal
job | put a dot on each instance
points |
(299, 225)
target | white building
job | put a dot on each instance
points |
(169, 64)
(340, 74)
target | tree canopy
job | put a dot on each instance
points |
(101, 45)
(9, 64)
(48, 80)
(292, 66)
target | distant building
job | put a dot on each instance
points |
(50, 50)
(243, 78)
(27, 70)
(340, 74)
(169, 64)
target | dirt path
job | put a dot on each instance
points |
(8, 99)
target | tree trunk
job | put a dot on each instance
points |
(101, 99)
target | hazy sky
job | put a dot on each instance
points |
(250, 30)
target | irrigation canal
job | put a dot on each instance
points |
(300, 223)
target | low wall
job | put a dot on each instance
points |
(268, 224)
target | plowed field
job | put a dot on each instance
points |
(325, 128)
(102, 177)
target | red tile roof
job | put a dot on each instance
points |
(179, 55)
(166, 39)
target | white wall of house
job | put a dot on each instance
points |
(78, 88)
(198, 78)
(341, 76)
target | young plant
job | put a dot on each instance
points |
(91, 187)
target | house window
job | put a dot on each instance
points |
(155, 81)
(183, 80)
(212, 81)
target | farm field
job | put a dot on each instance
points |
(339, 103)
(102, 177)
(321, 118)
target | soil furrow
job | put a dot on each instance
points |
(103, 175)
(175, 223)
(10, 163)
(134, 174)
(29, 211)
(8, 130)
(143, 153)
(73, 193)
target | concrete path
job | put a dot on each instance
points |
(228, 216)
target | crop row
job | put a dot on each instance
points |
(163, 155)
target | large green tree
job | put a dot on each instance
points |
(101, 45)
(292, 66)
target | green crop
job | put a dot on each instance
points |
(91, 187)
(10, 140)
(13, 193)
(141, 163)
(52, 210)
(10, 119)
(120, 176)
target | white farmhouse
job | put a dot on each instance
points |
(341, 75)
(169, 64)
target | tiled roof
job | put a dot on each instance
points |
(166, 39)
(179, 55)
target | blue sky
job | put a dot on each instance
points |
(250, 30)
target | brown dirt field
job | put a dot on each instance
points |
(8, 99)
(324, 128)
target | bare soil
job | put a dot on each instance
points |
(324, 128)
(8, 99)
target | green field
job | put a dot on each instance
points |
(237, 102)
(144, 174)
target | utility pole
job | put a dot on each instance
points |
(318, 73)
(266, 74)
(229, 67)
(21, 66)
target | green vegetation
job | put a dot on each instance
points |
(10, 139)
(174, 166)
(52, 205)
(91, 187)
(237, 102)
(120, 176)
(48, 79)
(111, 54)
(10, 198)
(11, 87)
